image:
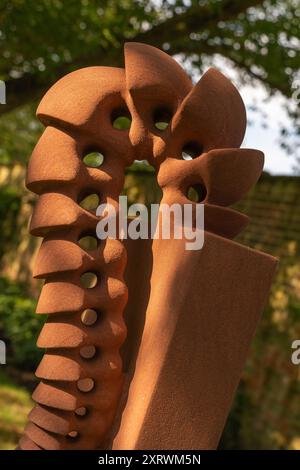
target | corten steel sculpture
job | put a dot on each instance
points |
(190, 314)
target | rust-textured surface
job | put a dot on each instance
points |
(202, 313)
(83, 401)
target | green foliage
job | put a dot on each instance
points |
(15, 404)
(29, 44)
(252, 33)
(259, 38)
(19, 130)
(10, 202)
(19, 326)
(141, 184)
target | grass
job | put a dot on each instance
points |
(15, 404)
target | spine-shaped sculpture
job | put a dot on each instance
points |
(81, 372)
(84, 292)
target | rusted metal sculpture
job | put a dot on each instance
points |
(188, 334)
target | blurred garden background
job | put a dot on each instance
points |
(257, 44)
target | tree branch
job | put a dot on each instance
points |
(29, 87)
(227, 52)
(195, 19)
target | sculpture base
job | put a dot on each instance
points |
(201, 316)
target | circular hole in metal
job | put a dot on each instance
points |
(93, 159)
(85, 385)
(89, 280)
(88, 243)
(89, 317)
(90, 202)
(87, 352)
(196, 193)
(121, 119)
(162, 118)
(81, 411)
(191, 151)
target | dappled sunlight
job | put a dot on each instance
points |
(15, 404)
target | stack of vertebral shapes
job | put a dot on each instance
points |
(82, 393)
